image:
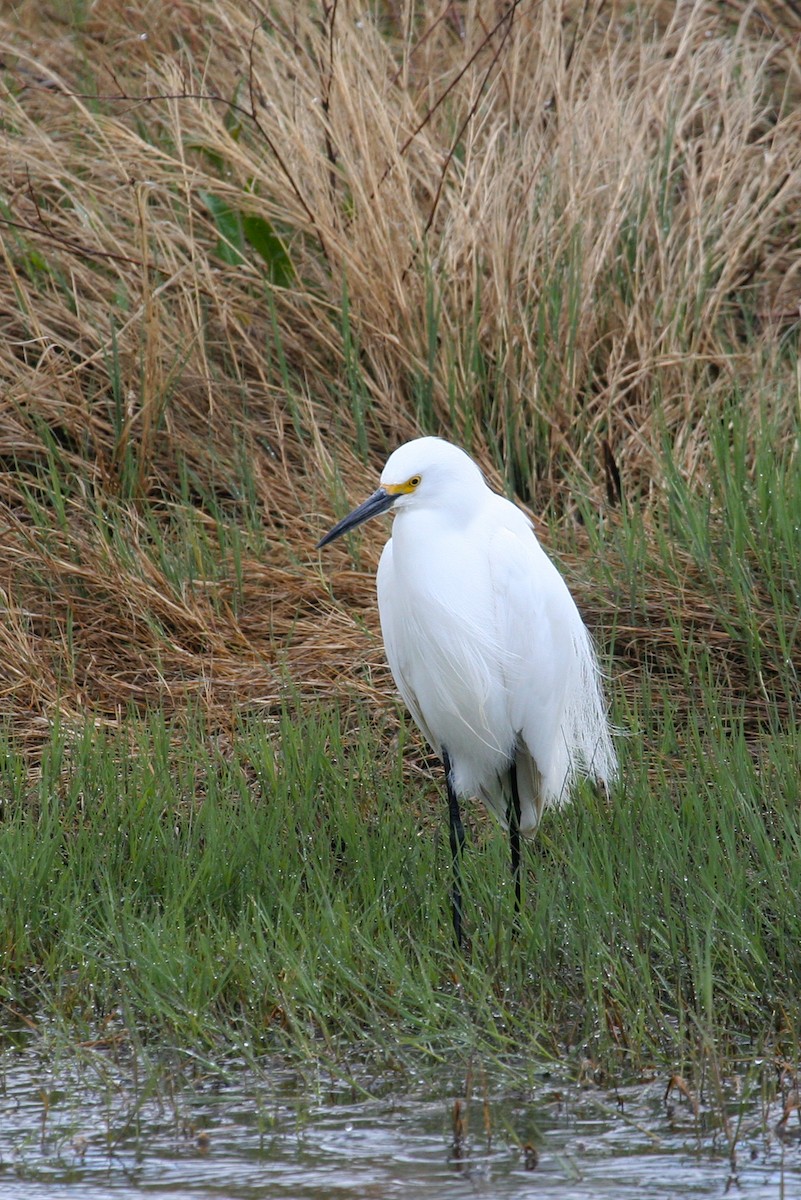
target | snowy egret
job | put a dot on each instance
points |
(485, 644)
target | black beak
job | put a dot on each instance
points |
(380, 502)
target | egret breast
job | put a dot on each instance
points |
(441, 639)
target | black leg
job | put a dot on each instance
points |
(513, 821)
(457, 844)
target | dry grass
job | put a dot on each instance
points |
(543, 231)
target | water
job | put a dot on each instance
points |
(93, 1128)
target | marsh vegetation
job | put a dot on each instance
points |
(245, 254)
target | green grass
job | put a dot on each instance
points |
(288, 888)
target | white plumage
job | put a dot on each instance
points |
(485, 643)
(483, 638)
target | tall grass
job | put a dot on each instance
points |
(242, 260)
(287, 887)
(242, 265)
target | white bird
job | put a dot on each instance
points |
(485, 644)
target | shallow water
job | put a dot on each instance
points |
(95, 1128)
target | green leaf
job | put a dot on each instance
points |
(237, 232)
(228, 222)
(266, 242)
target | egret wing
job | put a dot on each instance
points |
(554, 697)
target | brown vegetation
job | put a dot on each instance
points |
(549, 226)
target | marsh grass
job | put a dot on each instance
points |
(241, 262)
(288, 887)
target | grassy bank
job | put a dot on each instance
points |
(242, 262)
(283, 882)
(288, 888)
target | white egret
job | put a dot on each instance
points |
(485, 644)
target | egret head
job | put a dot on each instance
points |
(427, 470)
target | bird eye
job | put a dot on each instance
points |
(414, 481)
